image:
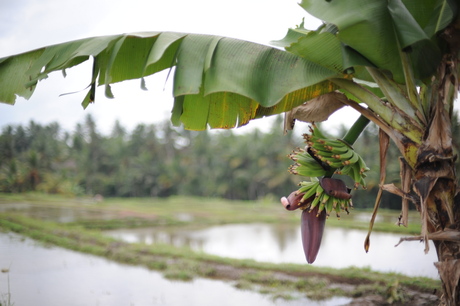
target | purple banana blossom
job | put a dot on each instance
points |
(312, 229)
(294, 201)
(311, 226)
(335, 188)
(312, 221)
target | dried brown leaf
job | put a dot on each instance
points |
(423, 188)
(393, 189)
(445, 235)
(405, 173)
(440, 131)
(384, 141)
(316, 110)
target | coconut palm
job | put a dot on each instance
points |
(395, 62)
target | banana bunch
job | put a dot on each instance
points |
(327, 194)
(321, 155)
(321, 158)
(306, 165)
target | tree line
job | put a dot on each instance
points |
(158, 160)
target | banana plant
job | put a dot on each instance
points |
(394, 61)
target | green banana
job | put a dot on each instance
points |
(308, 190)
(335, 205)
(340, 205)
(309, 172)
(337, 148)
(337, 144)
(319, 192)
(345, 170)
(322, 203)
(318, 147)
(335, 163)
(325, 155)
(316, 132)
(344, 156)
(330, 204)
(363, 183)
(362, 165)
(359, 176)
(355, 175)
(349, 205)
(308, 194)
(314, 203)
(308, 184)
(306, 160)
(353, 159)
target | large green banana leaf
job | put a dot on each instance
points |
(220, 82)
(374, 32)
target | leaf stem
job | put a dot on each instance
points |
(393, 120)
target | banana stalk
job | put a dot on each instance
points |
(356, 129)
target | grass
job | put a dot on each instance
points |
(5, 298)
(180, 210)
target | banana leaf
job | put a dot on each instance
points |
(378, 30)
(223, 83)
(218, 82)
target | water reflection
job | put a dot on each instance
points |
(282, 244)
(53, 276)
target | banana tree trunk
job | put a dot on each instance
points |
(435, 183)
(435, 186)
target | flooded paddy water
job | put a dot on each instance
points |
(40, 275)
(43, 275)
(276, 243)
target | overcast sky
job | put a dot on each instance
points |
(30, 24)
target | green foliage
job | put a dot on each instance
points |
(152, 160)
(159, 160)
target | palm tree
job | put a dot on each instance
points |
(395, 62)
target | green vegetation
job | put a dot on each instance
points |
(153, 160)
(160, 161)
(180, 210)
